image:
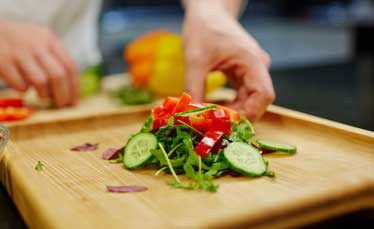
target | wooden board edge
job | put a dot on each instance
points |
(119, 111)
(357, 198)
(274, 109)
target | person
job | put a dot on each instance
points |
(32, 55)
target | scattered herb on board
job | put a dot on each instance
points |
(39, 166)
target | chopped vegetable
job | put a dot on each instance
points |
(245, 159)
(112, 153)
(201, 141)
(85, 147)
(39, 166)
(207, 143)
(126, 188)
(11, 113)
(11, 102)
(138, 150)
(276, 146)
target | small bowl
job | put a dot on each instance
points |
(4, 137)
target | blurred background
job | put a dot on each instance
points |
(322, 51)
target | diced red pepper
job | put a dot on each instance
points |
(232, 114)
(159, 122)
(193, 106)
(222, 125)
(183, 103)
(219, 145)
(197, 122)
(207, 143)
(14, 113)
(170, 102)
(11, 102)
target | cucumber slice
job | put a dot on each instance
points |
(196, 111)
(245, 159)
(276, 146)
(138, 150)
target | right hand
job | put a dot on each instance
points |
(31, 55)
(214, 40)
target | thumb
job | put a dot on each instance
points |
(195, 79)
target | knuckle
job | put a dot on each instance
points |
(57, 76)
(40, 83)
(266, 58)
(270, 96)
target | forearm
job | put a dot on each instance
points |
(231, 7)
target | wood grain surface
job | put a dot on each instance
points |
(331, 174)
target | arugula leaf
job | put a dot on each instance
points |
(157, 153)
(171, 121)
(241, 131)
(168, 163)
(39, 166)
(147, 127)
(216, 168)
(117, 160)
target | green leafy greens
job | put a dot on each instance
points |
(134, 95)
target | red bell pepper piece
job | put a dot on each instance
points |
(159, 122)
(170, 102)
(14, 113)
(11, 102)
(207, 143)
(183, 103)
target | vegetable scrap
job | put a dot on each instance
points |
(13, 109)
(85, 147)
(111, 153)
(126, 188)
(39, 166)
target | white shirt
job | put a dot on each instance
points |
(74, 21)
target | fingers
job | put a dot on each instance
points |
(12, 76)
(58, 82)
(71, 71)
(33, 74)
(259, 89)
(196, 71)
(255, 90)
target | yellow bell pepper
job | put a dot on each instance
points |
(156, 61)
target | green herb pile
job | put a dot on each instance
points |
(176, 155)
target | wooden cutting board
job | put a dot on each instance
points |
(332, 173)
(101, 104)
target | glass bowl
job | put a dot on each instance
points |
(4, 137)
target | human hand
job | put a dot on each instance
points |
(31, 55)
(214, 40)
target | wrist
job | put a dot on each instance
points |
(216, 7)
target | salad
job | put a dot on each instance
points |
(200, 140)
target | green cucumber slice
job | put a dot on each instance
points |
(138, 150)
(276, 146)
(196, 111)
(244, 159)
